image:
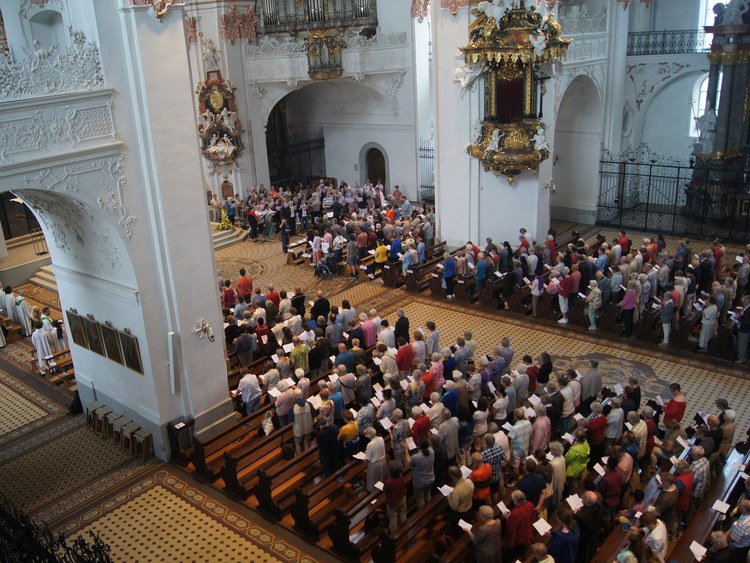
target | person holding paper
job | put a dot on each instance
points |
(559, 475)
(563, 546)
(328, 445)
(656, 537)
(519, 526)
(487, 537)
(303, 423)
(610, 487)
(377, 466)
(709, 318)
(589, 520)
(348, 436)
(423, 463)
(395, 496)
(400, 431)
(461, 498)
(284, 403)
(674, 409)
(577, 458)
(250, 391)
(701, 471)
(739, 533)
(593, 302)
(743, 322)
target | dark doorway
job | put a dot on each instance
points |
(376, 166)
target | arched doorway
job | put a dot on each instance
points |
(375, 165)
(576, 153)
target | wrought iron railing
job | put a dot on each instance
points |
(672, 199)
(668, 42)
(293, 15)
(427, 170)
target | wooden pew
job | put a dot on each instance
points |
(687, 327)
(722, 345)
(239, 472)
(346, 521)
(315, 502)
(464, 289)
(207, 454)
(728, 488)
(408, 542)
(275, 488)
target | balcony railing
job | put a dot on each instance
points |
(292, 15)
(667, 42)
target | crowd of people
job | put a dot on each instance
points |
(475, 427)
(631, 278)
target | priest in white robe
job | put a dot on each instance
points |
(47, 320)
(24, 314)
(8, 303)
(61, 337)
(40, 340)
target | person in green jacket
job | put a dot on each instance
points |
(576, 459)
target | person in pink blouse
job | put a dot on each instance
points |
(628, 305)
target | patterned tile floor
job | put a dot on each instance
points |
(56, 468)
(164, 518)
(23, 409)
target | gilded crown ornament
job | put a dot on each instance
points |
(507, 49)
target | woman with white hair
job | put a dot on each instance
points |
(399, 433)
(377, 464)
(559, 475)
(436, 373)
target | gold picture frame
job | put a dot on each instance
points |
(76, 329)
(131, 352)
(111, 339)
(93, 335)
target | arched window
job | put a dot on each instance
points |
(698, 101)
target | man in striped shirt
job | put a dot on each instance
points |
(701, 470)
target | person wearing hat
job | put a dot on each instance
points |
(486, 536)
(593, 303)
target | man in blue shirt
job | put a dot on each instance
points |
(480, 274)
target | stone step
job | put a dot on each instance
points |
(44, 282)
(222, 239)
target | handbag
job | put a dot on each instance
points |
(267, 423)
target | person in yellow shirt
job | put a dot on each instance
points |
(381, 257)
(349, 435)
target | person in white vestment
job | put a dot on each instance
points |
(9, 303)
(46, 320)
(40, 340)
(24, 314)
(60, 336)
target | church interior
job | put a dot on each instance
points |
(139, 143)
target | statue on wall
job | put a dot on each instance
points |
(540, 140)
(706, 125)
(219, 126)
(495, 140)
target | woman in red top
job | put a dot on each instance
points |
(395, 496)
(595, 433)
(675, 407)
(404, 356)
(532, 370)
(228, 297)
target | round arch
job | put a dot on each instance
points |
(364, 164)
(575, 159)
